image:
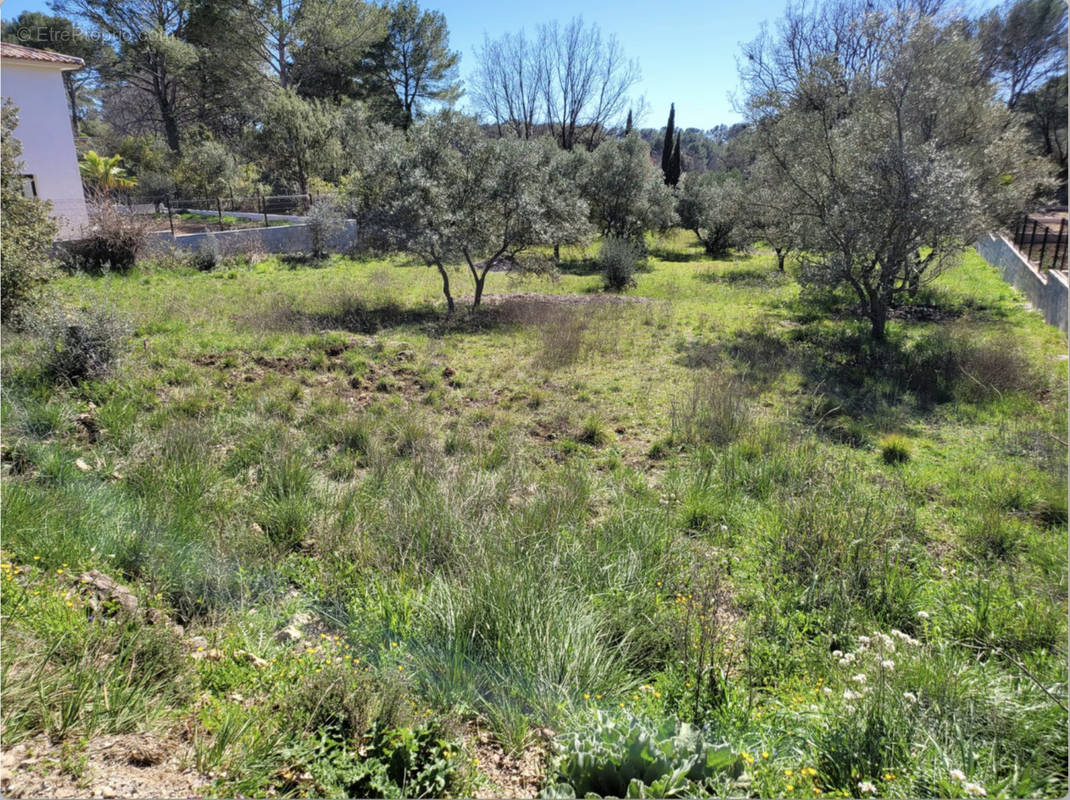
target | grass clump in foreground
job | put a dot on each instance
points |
(406, 538)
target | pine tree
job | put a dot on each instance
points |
(666, 148)
(673, 177)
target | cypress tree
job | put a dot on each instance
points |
(674, 164)
(628, 124)
(666, 148)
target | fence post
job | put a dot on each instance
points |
(219, 210)
(1032, 239)
(1043, 248)
(170, 217)
(1060, 246)
(1019, 231)
(263, 207)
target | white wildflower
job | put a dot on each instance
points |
(864, 640)
(860, 678)
(974, 789)
(958, 775)
(888, 664)
(826, 690)
(837, 654)
(923, 615)
(866, 787)
(910, 697)
(848, 694)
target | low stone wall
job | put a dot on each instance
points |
(281, 239)
(1047, 291)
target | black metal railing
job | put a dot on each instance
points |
(1042, 239)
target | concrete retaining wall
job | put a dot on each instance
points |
(281, 239)
(1047, 291)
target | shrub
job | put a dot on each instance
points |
(324, 221)
(207, 256)
(895, 449)
(619, 260)
(81, 344)
(26, 228)
(112, 242)
(628, 756)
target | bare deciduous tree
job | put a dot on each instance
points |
(571, 81)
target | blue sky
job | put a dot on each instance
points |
(686, 48)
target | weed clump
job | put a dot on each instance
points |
(594, 431)
(715, 411)
(895, 449)
(81, 344)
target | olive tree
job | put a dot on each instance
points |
(710, 204)
(448, 195)
(626, 192)
(891, 145)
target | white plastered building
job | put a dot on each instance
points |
(33, 80)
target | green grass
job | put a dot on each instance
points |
(678, 507)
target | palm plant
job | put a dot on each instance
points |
(103, 175)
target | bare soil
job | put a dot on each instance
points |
(129, 765)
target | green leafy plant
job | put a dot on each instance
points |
(622, 755)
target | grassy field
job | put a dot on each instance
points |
(701, 535)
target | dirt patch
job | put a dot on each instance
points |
(128, 765)
(518, 775)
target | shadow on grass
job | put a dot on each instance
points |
(678, 256)
(359, 315)
(579, 266)
(746, 278)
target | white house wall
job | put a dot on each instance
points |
(44, 130)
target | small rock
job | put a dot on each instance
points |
(82, 465)
(197, 642)
(213, 654)
(6, 776)
(252, 658)
(105, 791)
(155, 616)
(92, 429)
(290, 633)
(109, 590)
(301, 618)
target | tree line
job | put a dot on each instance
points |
(880, 136)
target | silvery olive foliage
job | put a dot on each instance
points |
(712, 205)
(626, 191)
(877, 124)
(447, 194)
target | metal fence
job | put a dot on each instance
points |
(1042, 239)
(253, 207)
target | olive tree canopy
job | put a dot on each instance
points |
(878, 122)
(449, 195)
